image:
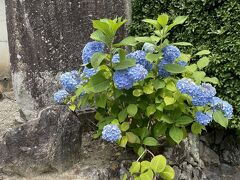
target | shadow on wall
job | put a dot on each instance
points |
(5, 75)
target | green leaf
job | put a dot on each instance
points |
(97, 83)
(198, 76)
(219, 118)
(203, 62)
(137, 92)
(123, 141)
(213, 80)
(171, 86)
(72, 107)
(153, 57)
(169, 100)
(192, 68)
(196, 128)
(182, 44)
(203, 52)
(125, 177)
(168, 173)
(145, 165)
(99, 36)
(97, 59)
(183, 120)
(150, 141)
(150, 110)
(135, 168)
(101, 100)
(132, 109)
(163, 19)
(124, 126)
(140, 151)
(132, 138)
(148, 89)
(128, 62)
(176, 134)
(158, 84)
(128, 41)
(178, 20)
(159, 129)
(166, 119)
(147, 175)
(175, 68)
(158, 163)
(102, 26)
(144, 39)
(152, 22)
(122, 115)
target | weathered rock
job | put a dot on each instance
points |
(46, 37)
(49, 143)
(208, 156)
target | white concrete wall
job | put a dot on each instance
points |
(5, 79)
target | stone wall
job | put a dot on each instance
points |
(46, 38)
(5, 78)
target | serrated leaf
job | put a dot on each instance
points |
(147, 175)
(97, 59)
(158, 163)
(102, 26)
(145, 165)
(122, 115)
(168, 173)
(99, 36)
(213, 80)
(219, 118)
(175, 68)
(196, 128)
(144, 39)
(169, 100)
(176, 134)
(123, 141)
(135, 168)
(132, 109)
(163, 19)
(137, 92)
(183, 120)
(128, 62)
(153, 57)
(124, 126)
(198, 76)
(159, 129)
(203, 52)
(182, 44)
(178, 20)
(203, 62)
(72, 107)
(158, 84)
(171, 86)
(150, 110)
(150, 141)
(192, 68)
(132, 138)
(148, 89)
(128, 41)
(140, 151)
(101, 100)
(152, 22)
(97, 83)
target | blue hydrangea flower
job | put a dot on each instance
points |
(60, 95)
(76, 76)
(170, 53)
(111, 133)
(140, 57)
(68, 82)
(209, 89)
(148, 47)
(121, 79)
(187, 86)
(91, 48)
(161, 70)
(203, 119)
(219, 104)
(182, 63)
(116, 58)
(88, 72)
(137, 73)
(203, 95)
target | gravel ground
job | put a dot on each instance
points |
(8, 112)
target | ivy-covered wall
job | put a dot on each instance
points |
(213, 25)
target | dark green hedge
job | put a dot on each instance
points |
(213, 25)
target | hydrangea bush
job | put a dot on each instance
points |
(143, 95)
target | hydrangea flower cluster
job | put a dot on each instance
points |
(140, 57)
(111, 133)
(124, 79)
(90, 49)
(69, 81)
(148, 47)
(219, 104)
(116, 58)
(60, 95)
(88, 72)
(170, 54)
(202, 118)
